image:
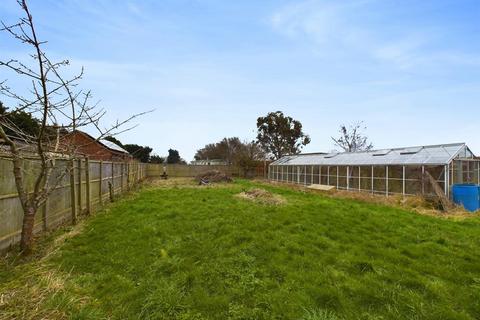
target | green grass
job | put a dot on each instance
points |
(202, 253)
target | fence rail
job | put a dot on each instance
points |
(81, 191)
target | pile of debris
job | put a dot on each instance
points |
(262, 196)
(212, 176)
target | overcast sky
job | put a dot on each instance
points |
(409, 69)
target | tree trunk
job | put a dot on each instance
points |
(26, 242)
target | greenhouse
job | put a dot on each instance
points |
(422, 170)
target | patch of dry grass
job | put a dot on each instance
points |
(182, 182)
(262, 196)
(31, 287)
(417, 204)
(171, 183)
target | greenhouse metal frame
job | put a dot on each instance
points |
(387, 171)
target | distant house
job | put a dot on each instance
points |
(211, 162)
(86, 145)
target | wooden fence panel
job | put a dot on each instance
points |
(182, 170)
(58, 208)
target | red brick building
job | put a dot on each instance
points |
(84, 144)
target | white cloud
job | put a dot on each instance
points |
(322, 21)
(357, 27)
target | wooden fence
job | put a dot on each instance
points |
(81, 191)
(85, 188)
(183, 170)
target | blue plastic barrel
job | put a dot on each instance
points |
(467, 195)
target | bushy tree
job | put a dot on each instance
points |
(352, 138)
(174, 157)
(19, 121)
(141, 153)
(156, 159)
(280, 135)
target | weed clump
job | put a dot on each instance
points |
(262, 196)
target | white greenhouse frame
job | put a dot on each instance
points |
(387, 171)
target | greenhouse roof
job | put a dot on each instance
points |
(421, 155)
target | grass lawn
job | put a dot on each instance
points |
(173, 252)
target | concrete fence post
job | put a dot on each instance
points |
(87, 186)
(73, 199)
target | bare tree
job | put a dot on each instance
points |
(248, 157)
(60, 107)
(352, 139)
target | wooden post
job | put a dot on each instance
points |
(121, 176)
(128, 175)
(112, 192)
(73, 199)
(446, 204)
(79, 191)
(87, 186)
(100, 193)
(386, 181)
(373, 182)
